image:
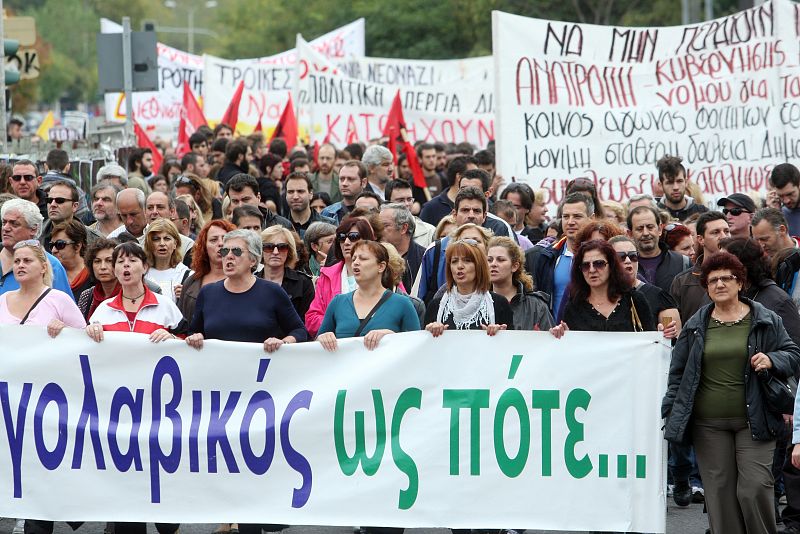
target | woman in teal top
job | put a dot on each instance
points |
(373, 309)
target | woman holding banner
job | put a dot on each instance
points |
(723, 411)
(601, 298)
(373, 309)
(36, 302)
(467, 304)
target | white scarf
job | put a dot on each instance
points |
(475, 308)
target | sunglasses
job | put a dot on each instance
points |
(598, 265)
(183, 180)
(282, 247)
(57, 200)
(468, 241)
(27, 243)
(26, 177)
(633, 256)
(60, 244)
(237, 251)
(734, 211)
(671, 226)
(352, 236)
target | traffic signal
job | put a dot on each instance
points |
(10, 47)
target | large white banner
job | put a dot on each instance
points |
(605, 103)
(342, 109)
(462, 431)
(268, 81)
(419, 72)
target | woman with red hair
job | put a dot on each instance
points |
(206, 264)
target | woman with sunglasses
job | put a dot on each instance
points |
(68, 245)
(715, 399)
(280, 258)
(508, 276)
(600, 296)
(243, 307)
(162, 246)
(337, 277)
(36, 302)
(663, 307)
(136, 308)
(468, 303)
(373, 309)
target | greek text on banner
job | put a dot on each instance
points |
(463, 431)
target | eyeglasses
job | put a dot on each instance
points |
(597, 265)
(672, 226)
(725, 279)
(183, 180)
(26, 177)
(237, 251)
(282, 247)
(27, 243)
(632, 255)
(57, 200)
(734, 211)
(60, 244)
(352, 236)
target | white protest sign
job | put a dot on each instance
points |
(463, 431)
(341, 109)
(419, 72)
(268, 81)
(605, 103)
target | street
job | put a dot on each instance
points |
(690, 520)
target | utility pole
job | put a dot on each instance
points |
(127, 73)
(3, 124)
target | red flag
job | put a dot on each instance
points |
(231, 116)
(143, 141)
(315, 153)
(395, 121)
(258, 124)
(191, 119)
(416, 168)
(287, 126)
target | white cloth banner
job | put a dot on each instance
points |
(343, 109)
(268, 81)
(419, 72)
(463, 431)
(605, 103)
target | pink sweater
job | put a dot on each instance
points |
(56, 305)
(329, 284)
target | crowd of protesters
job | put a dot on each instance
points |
(241, 241)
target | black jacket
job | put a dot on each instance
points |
(773, 298)
(300, 289)
(228, 171)
(272, 219)
(767, 335)
(670, 265)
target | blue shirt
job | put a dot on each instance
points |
(793, 218)
(396, 314)
(60, 280)
(561, 278)
(261, 312)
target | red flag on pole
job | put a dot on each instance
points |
(191, 119)
(396, 128)
(315, 153)
(258, 127)
(287, 126)
(231, 116)
(143, 141)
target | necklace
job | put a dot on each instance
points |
(133, 299)
(742, 314)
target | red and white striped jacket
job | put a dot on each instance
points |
(157, 311)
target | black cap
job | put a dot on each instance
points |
(739, 199)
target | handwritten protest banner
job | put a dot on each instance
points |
(605, 103)
(268, 81)
(341, 109)
(462, 431)
(419, 72)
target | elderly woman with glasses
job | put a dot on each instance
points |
(337, 278)
(600, 296)
(36, 302)
(280, 258)
(468, 303)
(715, 400)
(243, 307)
